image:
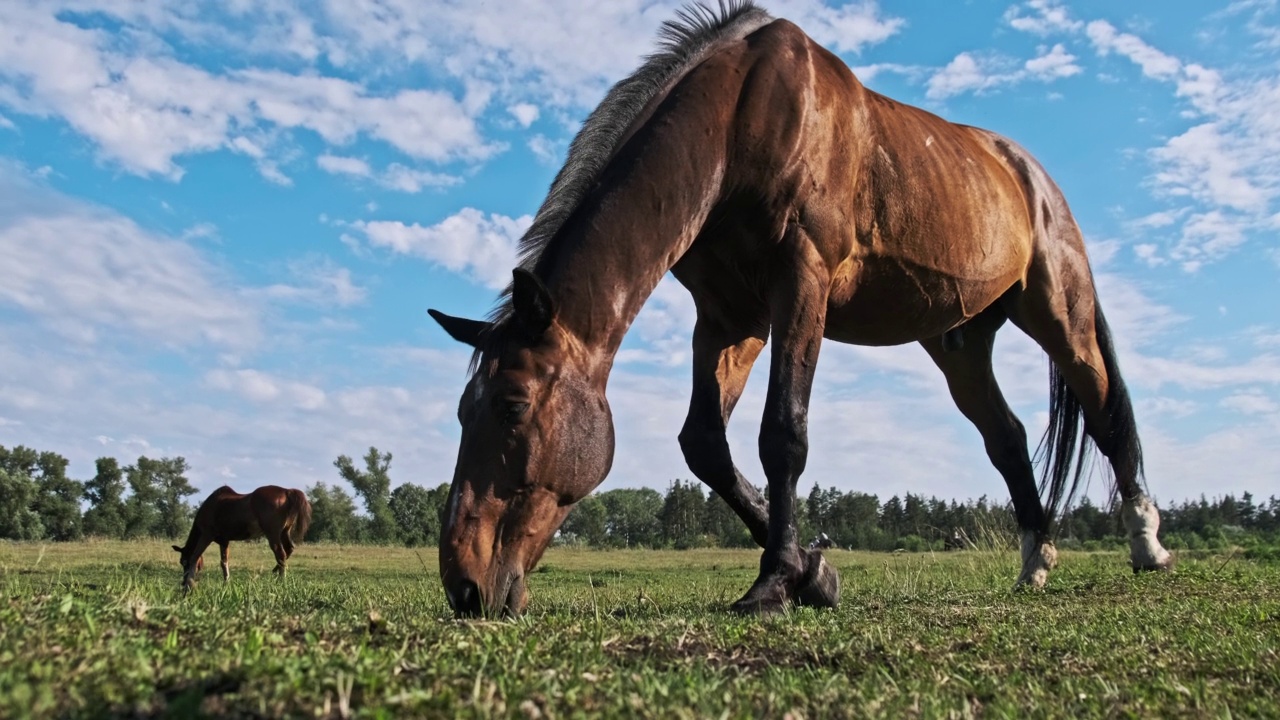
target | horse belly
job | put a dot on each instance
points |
(887, 301)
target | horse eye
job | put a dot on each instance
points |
(513, 411)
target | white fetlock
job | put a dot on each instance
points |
(1142, 521)
(1039, 556)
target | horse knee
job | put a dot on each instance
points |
(706, 450)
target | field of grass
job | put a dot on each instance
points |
(100, 629)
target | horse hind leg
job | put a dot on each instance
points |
(1064, 318)
(973, 387)
(287, 542)
(282, 557)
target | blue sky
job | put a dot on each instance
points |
(221, 226)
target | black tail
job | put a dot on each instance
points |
(1066, 458)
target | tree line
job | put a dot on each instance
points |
(148, 498)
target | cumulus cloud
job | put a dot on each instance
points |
(143, 109)
(83, 270)
(480, 246)
(1224, 165)
(261, 387)
(1042, 17)
(394, 177)
(524, 113)
(969, 72)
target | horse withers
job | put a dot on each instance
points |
(276, 513)
(794, 205)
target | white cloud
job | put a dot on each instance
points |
(968, 72)
(344, 165)
(468, 242)
(394, 177)
(260, 387)
(524, 113)
(1155, 64)
(319, 282)
(1057, 63)
(405, 179)
(143, 109)
(1047, 17)
(1252, 402)
(1224, 166)
(963, 74)
(84, 271)
(548, 151)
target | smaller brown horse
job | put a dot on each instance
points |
(270, 511)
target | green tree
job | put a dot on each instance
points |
(721, 522)
(587, 522)
(333, 515)
(17, 496)
(141, 509)
(682, 515)
(373, 485)
(57, 500)
(175, 514)
(632, 518)
(105, 493)
(418, 513)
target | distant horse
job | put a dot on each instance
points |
(958, 540)
(821, 542)
(794, 204)
(270, 511)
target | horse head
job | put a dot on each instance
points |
(537, 436)
(190, 565)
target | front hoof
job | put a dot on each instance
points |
(762, 600)
(1164, 564)
(821, 585)
(1033, 580)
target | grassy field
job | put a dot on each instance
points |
(99, 629)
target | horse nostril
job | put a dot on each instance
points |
(465, 599)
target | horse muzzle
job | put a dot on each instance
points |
(506, 597)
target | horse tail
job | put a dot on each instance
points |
(299, 509)
(1064, 456)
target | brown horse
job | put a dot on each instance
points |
(793, 204)
(270, 511)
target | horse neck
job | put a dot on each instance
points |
(193, 537)
(616, 248)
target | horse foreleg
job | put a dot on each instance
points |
(798, 305)
(721, 364)
(974, 389)
(225, 548)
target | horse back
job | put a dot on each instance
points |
(899, 207)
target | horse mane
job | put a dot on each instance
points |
(683, 43)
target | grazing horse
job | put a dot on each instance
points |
(794, 205)
(270, 511)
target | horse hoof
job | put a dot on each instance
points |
(1164, 565)
(821, 586)
(762, 599)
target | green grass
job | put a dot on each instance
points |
(100, 629)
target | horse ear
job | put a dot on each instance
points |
(175, 547)
(532, 302)
(461, 329)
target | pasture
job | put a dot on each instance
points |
(101, 629)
